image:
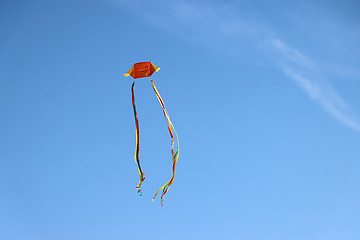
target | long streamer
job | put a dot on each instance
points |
(136, 157)
(174, 155)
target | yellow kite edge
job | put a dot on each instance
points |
(155, 67)
(129, 72)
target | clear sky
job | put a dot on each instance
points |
(264, 96)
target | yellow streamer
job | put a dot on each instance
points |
(175, 156)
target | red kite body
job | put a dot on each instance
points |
(142, 69)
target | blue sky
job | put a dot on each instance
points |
(264, 97)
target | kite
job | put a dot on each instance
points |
(140, 70)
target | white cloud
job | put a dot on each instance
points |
(305, 73)
(327, 97)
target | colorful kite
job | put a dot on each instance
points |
(140, 70)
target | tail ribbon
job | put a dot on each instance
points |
(174, 155)
(136, 157)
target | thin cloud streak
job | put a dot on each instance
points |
(203, 22)
(305, 73)
(327, 97)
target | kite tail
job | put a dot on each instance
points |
(175, 155)
(136, 157)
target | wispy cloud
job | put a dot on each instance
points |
(327, 97)
(307, 75)
(210, 23)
